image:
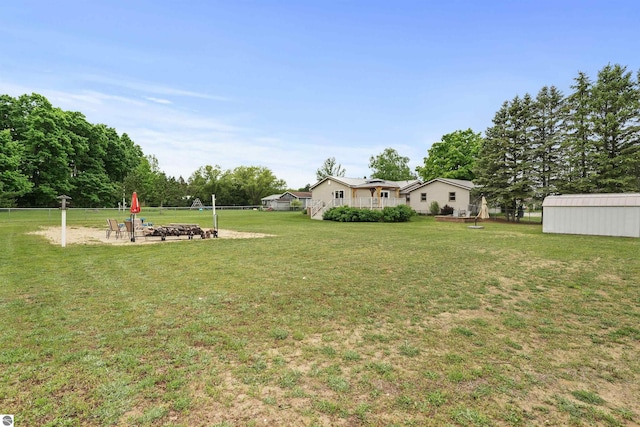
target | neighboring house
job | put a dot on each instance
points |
(453, 192)
(592, 214)
(282, 202)
(372, 193)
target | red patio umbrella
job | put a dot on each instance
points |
(135, 208)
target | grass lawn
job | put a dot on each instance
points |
(327, 324)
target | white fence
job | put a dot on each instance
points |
(318, 207)
(370, 202)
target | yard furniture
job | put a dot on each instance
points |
(114, 227)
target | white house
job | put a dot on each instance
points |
(372, 193)
(593, 214)
(282, 202)
(452, 192)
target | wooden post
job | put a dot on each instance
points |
(63, 207)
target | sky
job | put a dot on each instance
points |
(287, 84)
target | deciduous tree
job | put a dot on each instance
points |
(330, 168)
(453, 157)
(391, 166)
(13, 183)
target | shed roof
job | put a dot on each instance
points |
(299, 194)
(593, 200)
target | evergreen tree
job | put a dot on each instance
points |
(504, 166)
(546, 156)
(616, 109)
(577, 146)
(492, 177)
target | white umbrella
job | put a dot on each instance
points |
(484, 210)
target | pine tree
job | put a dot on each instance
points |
(504, 166)
(578, 146)
(491, 175)
(616, 108)
(547, 158)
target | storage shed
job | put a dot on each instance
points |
(594, 214)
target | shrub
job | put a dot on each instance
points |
(405, 212)
(446, 210)
(400, 213)
(368, 215)
(336, 214)
(434, 208)
(348, 214)
(389, 214)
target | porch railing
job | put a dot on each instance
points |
(377, 202)
(318, 207)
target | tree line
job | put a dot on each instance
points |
(586, 142)
(46, 152)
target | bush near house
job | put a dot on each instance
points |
(434, 208)
(295, 204)
(446, 210)
(400, 213)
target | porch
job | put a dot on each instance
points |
(317, 207)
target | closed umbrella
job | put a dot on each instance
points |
(135, 208)
(484, 210)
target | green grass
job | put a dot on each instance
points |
(419, 323)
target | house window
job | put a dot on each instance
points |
(423, 197)
(338, 194)
(452, 196)
(384, 194)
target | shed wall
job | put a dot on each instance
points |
(592, 220)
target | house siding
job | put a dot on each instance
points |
(325, 190)
(439, 191)
(357, 194)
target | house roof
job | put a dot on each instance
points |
(460, 183)
(367, 183)
(272, 197)
(410, 185)
(593, 200)
(299, 194)
(349, 182)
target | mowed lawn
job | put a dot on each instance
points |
(325, 324)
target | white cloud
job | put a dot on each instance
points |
(148, 87)
(184, 140)
(158, 100)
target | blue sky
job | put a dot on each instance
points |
(287, 84)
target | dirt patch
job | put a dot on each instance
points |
(92, 236)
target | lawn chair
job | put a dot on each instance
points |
(114, 227)
(135, 229)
